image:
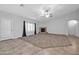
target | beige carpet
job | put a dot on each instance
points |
(45, 40)
(17, 46)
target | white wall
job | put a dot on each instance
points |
(60, 26)
(11, 26)
(57, 27)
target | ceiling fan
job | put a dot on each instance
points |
(46, 12)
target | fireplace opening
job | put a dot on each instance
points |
(43, 29)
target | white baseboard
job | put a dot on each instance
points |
(5, 38)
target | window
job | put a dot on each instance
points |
(29, 28)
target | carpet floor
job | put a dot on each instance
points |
(45, 40)
(46, 45)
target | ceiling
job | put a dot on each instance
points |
(33, 11)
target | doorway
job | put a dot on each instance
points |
(73, 27)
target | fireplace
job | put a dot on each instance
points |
(43, 29)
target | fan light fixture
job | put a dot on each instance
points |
(46, 13)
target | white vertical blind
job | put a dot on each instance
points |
(29, 28)
(5, 28)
